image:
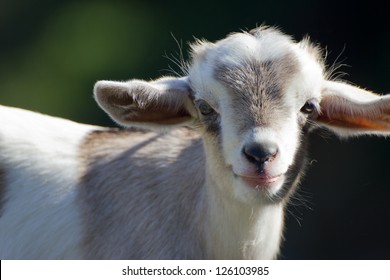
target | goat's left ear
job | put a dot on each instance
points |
(348, 110)
(161, 103)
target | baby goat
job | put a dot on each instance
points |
(204, 172)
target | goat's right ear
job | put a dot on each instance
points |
(164, 102)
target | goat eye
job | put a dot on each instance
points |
(309, 107)
(204, 107)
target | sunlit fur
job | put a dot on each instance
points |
(178, 183)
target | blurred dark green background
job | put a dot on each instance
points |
(52, 52)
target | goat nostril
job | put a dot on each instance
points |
(260, 153)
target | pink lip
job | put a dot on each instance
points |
(260, 181)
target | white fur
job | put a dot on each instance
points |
(184, 193)
(41, 158)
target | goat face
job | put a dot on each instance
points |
(257, 96)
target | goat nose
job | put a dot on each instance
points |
(260, 153)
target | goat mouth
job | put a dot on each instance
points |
(261, 181)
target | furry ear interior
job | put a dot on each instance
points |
(348, 110)
(163, 102)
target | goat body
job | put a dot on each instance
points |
(204, 170)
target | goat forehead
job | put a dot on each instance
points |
(259, 87)
(257, 79)
(263, 54)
